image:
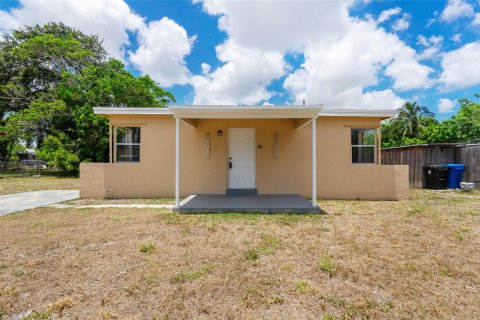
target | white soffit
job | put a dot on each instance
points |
(245, 112)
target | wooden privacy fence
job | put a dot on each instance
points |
(418, 156)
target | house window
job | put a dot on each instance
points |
(128, 144)
(363, 145)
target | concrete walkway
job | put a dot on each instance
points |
(28, 200)
(117, 205)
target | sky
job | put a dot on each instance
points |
(352, 54)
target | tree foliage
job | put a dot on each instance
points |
(51, 77)
(417, 125)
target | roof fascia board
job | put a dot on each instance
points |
(358, 113)
(131, 111)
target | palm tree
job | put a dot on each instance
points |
(411, 117)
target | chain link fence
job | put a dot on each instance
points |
(27, 167)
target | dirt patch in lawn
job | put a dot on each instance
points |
(13, 184)
(363, 259)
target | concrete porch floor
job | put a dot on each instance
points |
(278, 203)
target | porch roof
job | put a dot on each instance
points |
(246, 112)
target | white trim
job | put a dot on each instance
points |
(245, 112)
(243, 107)
(110, 142)
(224, 111)
(187, 199)
(381, 113)
(124, 110)
(374, 145)
(177, 162)
(363, 145)
(314, 161)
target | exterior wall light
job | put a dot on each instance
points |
(219, 133)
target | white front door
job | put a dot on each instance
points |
(241, 158)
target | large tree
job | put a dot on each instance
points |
(51, 77)
(468, 121)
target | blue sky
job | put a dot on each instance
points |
(343, 54)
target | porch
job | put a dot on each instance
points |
(248, 168)
(271, 203)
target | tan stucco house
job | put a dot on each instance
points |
(270, 150)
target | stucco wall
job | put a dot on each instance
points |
(92, 180)
(337, 177)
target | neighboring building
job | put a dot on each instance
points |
(184, 150)
(28, 154)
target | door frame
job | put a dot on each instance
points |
(254, 146)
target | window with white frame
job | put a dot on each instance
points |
(128, 144)
(363, 145)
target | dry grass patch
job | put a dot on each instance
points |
(363, 259)
(13, 183)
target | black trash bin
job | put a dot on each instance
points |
(436, 176)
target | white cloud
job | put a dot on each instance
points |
(110, 19)
(456, 37)
(408, 74)
(338, 73)
(242, 79)
(428, 42)
(402, 24)
(432, 46)
(343, 57)
(430, 22)
(279, 25)
(422, 40)
(456, 9)
(163, 45)
(460, 67)
(476, 21)
(387, 14)
(252, 57)
(445, 105)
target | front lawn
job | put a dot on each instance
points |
(363, 259)
(12, 183)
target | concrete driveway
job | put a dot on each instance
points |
(28, 200)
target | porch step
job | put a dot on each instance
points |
(241, 192)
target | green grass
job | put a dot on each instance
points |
(301, 286)
(409, 267)
(327, 265)
(251, 254)
(18, 273)
(268, 244)
(185, 276)
(35, 315)
(147, 247)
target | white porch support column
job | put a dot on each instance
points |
(177, 162)
(314, 161)
(110, 142)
